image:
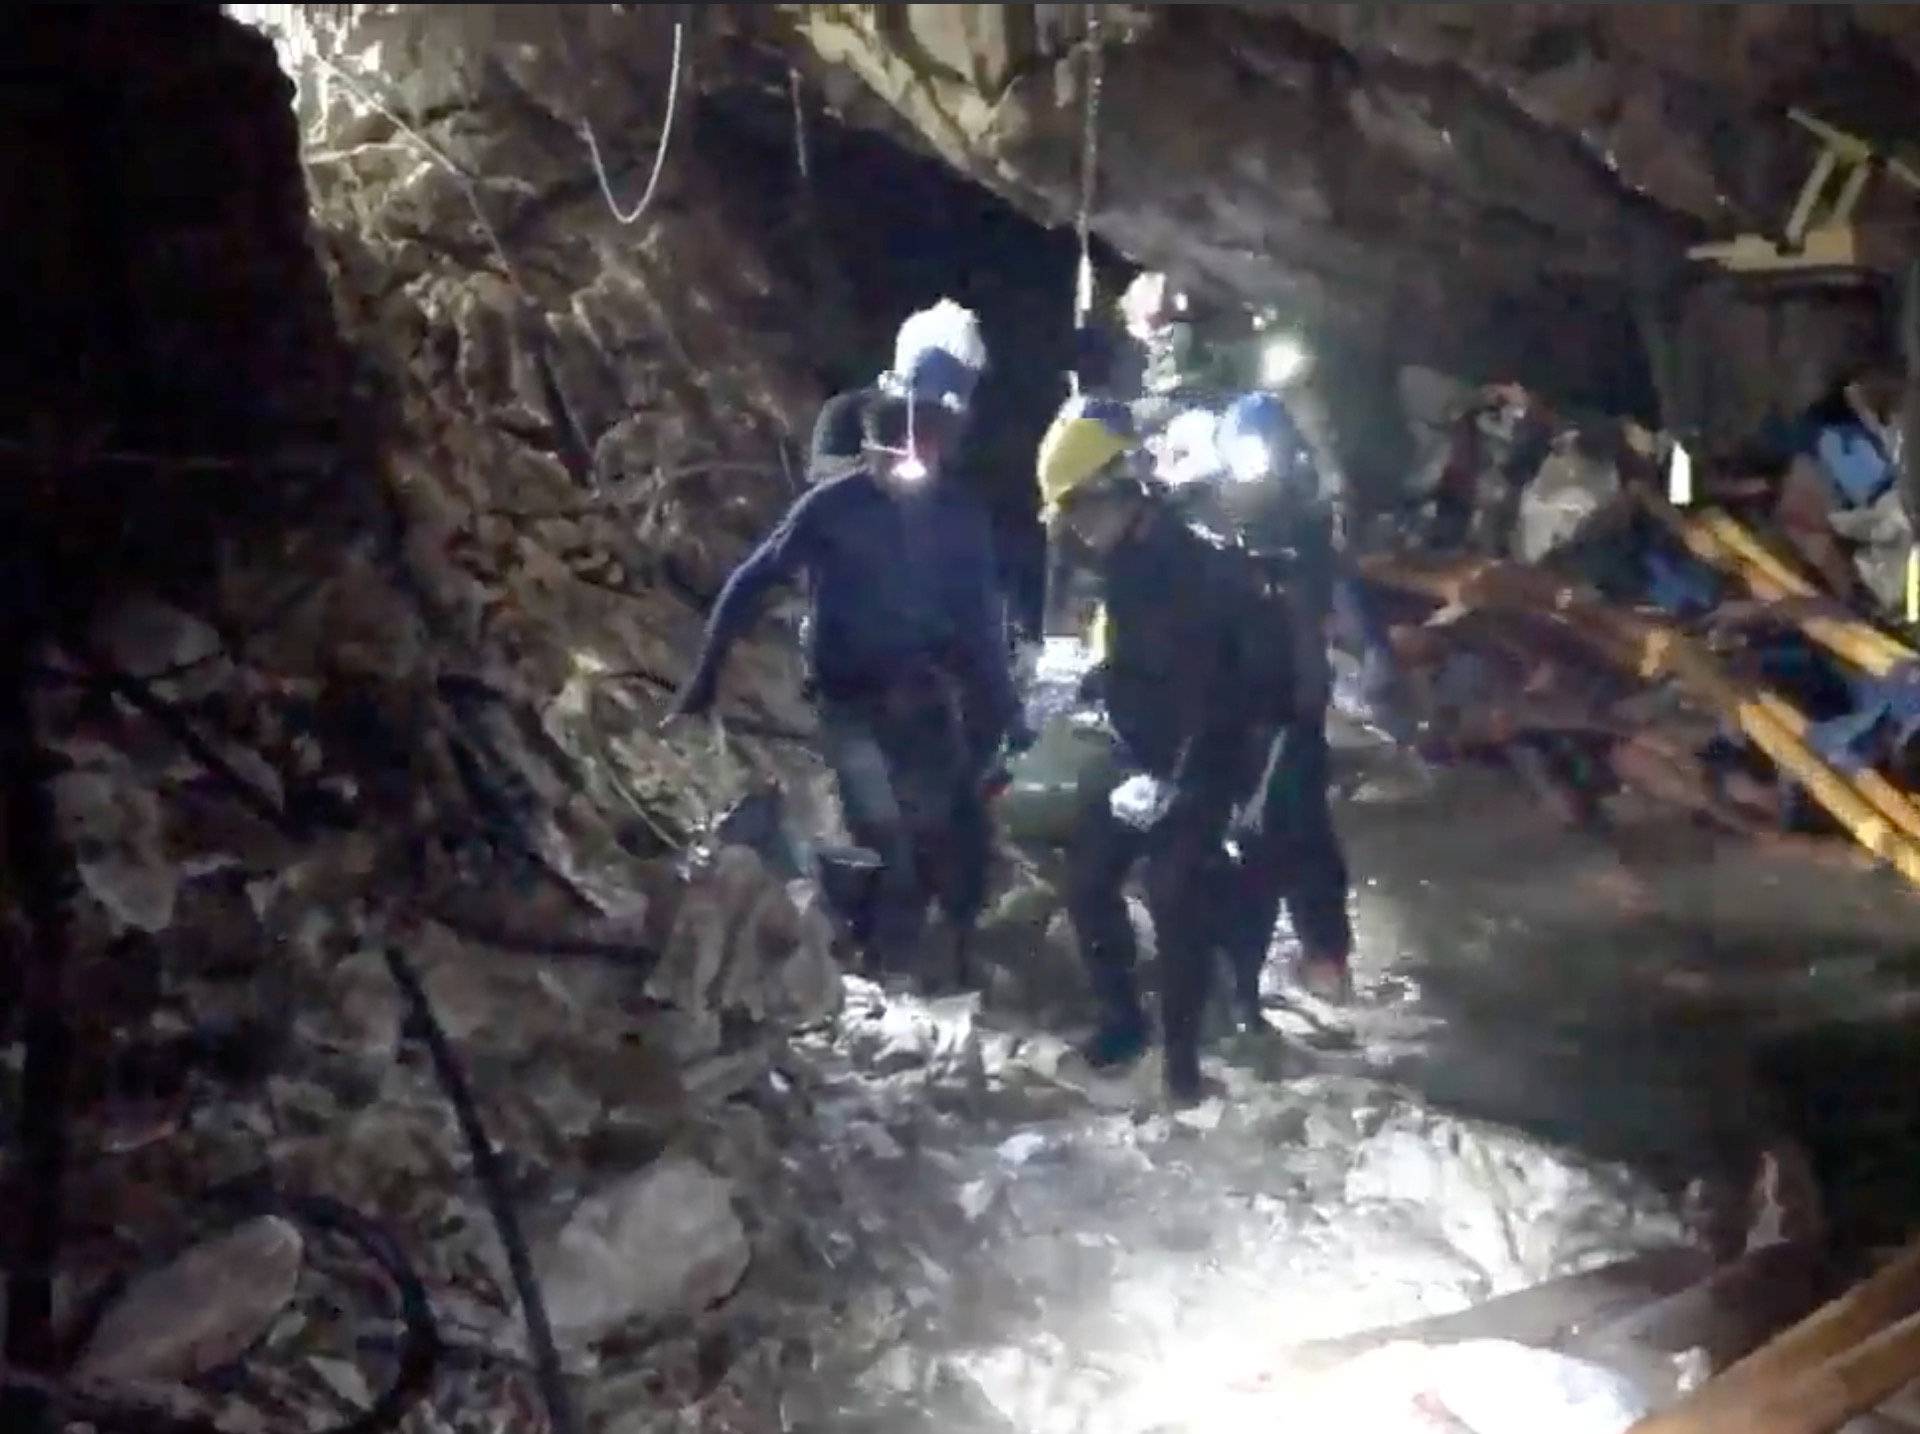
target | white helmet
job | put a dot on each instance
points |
(938, 357)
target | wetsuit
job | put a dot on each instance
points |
(1288, 847)
(1189, 682)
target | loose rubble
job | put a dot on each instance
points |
(200, 1312)
(1045, 1257)
(661, 1244)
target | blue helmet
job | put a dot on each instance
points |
(1259, 441)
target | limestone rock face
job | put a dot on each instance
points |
(380, 587)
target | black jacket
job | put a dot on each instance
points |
(1199, 667)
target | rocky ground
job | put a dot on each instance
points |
(921, 1213)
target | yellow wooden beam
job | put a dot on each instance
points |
(1823, 247)
(1653, 649)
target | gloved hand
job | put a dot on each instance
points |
(1141, 801)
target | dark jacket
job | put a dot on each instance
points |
(897, 582)
(1199, 663)
(1299, 556)
(837, 441)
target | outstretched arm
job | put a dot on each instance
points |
(784, 551)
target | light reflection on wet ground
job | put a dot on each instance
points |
(1734, 995)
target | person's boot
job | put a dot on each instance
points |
(1118, 1041)
(1183, 1002)
(1184, 1085)
(1121, 1037)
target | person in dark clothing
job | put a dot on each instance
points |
(1191, 681)
(1287, 849)
(1286, 845)
(907, 659)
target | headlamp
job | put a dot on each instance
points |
(1248, 458)
(908, 466)
(1282, 361)
(1186, 451)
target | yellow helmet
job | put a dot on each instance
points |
(1083, 439)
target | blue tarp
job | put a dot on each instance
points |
(1885, 716)
(1678, 584)
(1856, 467)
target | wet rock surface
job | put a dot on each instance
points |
(1034, 1248)
(656, 1245)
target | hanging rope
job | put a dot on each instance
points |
(800, 127)
(660, 155)
(1089, 167)
(1089, 172)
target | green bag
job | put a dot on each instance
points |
(1042, 796)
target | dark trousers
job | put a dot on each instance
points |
(1295, 857)
(1186, 881)
(910, 796)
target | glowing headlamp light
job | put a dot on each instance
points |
(908, 466)
(1282, 361)
(1248, 458)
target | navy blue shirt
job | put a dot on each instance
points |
(897, 579)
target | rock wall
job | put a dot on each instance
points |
(382, 478)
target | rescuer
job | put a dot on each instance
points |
(1191, 680)
(1285, 843)
(945, 328)
(908, 660)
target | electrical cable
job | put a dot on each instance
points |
(660, 154)
(447, 1068)
(492, 1177)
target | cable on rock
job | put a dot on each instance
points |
(492, 1176)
